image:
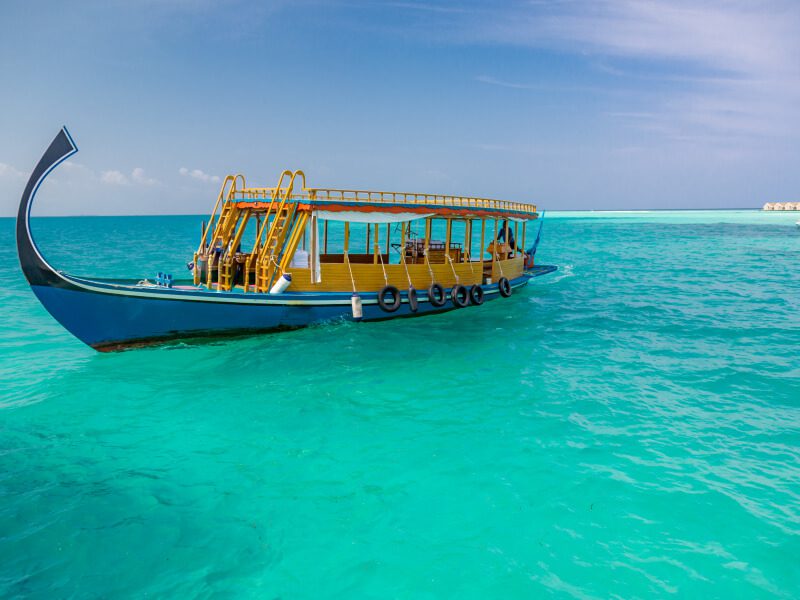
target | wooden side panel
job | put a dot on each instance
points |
(369, 278)
(509, 268)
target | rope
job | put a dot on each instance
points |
(385, 277)
(497, 261)
(403, 251)
(268, 281)
(430, 270)
(352, 279)
(452, 267)
(405, 266)
(468, 256)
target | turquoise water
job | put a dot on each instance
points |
(627, 427)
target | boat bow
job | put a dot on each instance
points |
(37, 270)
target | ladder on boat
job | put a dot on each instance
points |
(219, 225)
(269, 256)
(229, 259)
(270, 252)
(276, 238)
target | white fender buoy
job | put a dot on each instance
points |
(358, 313)
(280, 286)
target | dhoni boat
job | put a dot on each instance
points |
(311, 255)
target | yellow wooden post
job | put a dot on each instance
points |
(494, 245)
(447, 233)
(516, 236)
(524, 231)
(467, 240)
(428, 229)
(426, 258)
(388, 238)
(369, 231)
(483, 239)
(325, 238)
(346, 237)
(375, 247)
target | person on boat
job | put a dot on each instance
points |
(501, 236)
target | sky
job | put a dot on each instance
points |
(569, 104)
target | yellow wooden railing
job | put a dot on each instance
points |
(367, 196)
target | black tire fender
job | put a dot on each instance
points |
(395, 294)
(413, 303)
(459, 295)
(476, 295)
(504, 285)
(436, 295)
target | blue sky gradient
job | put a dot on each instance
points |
(570, 104)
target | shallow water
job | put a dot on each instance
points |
(629, 427)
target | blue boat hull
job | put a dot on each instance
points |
(108, 321)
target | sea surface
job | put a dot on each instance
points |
(627, 427)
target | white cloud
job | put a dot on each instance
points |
(199, 175)
(731, 67)
(7, 171)
(509, 84)
(75, 171)
(734, 36)
(71, 165)
(114, 178)
(88, 189)
(542, 87)
(138, 176)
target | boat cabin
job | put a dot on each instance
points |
(335, 240)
